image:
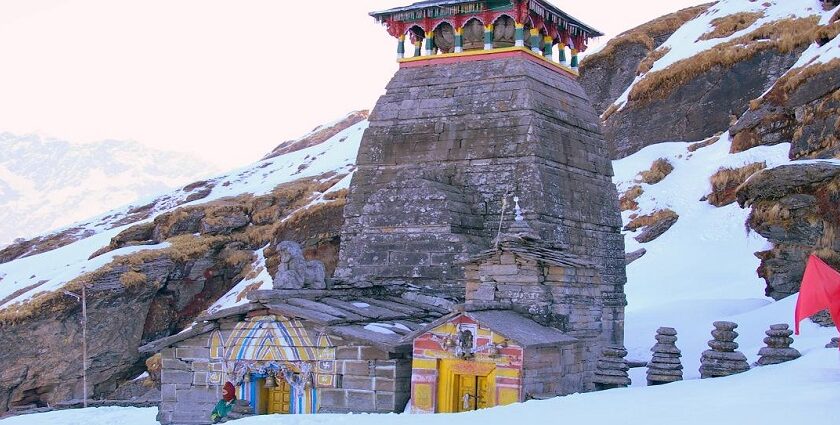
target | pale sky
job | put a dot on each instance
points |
(226, 80)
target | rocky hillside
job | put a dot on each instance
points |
(745, 75)
(704, 76)
(46, 184)
(150, 269)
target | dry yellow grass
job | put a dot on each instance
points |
(647, 63)
(645, 33)
(611, 110)
(131, 279)
(728, 25)
(784, 86)
(783, 35)
(660, 169)
(628, 198)
(725, 182)
(649, 219)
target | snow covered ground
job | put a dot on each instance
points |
(806, 391)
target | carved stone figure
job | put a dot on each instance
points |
(295, 272)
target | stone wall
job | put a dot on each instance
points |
(370, 382)
(554, 371)
(185, 396)
(569, 299)
(447, 142)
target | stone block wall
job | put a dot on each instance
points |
(185, 396)
(569, 299)
(370, 381)
(444, 146)
(554, 371)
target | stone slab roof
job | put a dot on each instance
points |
(381, 320)
(534, 250)
(520, 329)
(524, 331)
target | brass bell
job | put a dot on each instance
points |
(270, 382)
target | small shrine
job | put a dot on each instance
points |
(531, 328)
(453, 30)
(295, 352)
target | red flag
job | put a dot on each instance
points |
(820, 290)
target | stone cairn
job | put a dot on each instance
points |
(722, 359)
(778, 349)
(835, 343)
(665, 366)
(611, 371)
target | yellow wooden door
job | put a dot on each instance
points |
(472, 393)
(466, 393)
(279, 398)
(482, 393)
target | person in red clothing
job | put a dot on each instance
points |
(225, 405)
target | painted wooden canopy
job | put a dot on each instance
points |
(456, 26)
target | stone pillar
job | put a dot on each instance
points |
(778, 349)
(611, 371)
(665, 366)
(722, 359)
(418, 47)
(488, 37)
(430, 43)
(547, 49)
(401, 47)
(520, 35)
(535, 40)
(562, 57)
(459, 40)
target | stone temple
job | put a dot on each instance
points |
(481, 259)
(458, 135)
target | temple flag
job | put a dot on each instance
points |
(820, 290)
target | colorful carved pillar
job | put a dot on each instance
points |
(535, 40)
(574, 58)
(401, 47)
(459, 40)
(549, 46)
(562, 47)
(418, 47)
(488, 37)
(430, 43)
(520, 34)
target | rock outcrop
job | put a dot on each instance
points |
(319, 135)
(797, 208)
(151, 294)
(606, 73)
(682, 113)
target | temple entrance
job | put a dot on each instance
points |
(465, 385)
(279, 398)
(274, 400)
(471, 393)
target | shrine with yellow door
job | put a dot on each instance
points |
(474, 360)
(294, 352)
